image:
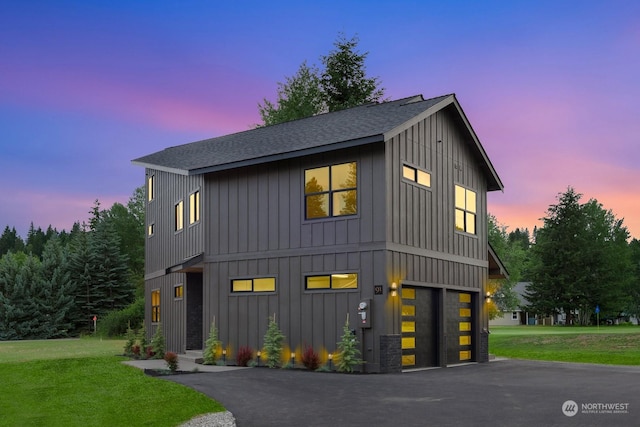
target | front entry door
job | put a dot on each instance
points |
(194, 311)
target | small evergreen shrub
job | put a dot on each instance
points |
(348, 351)
(172, 360)
(244, 355)
(273, 343)
(158, 343)
(211, 346)
(310, 359)
(141, 337)
(130, 342)
(135, 350)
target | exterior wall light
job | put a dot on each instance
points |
(393, 289)
(487, 297)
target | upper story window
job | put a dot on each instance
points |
(262, 284)
(155, 305)
(151, 229)
(194, 207)
(179, 216)
(416, 175)
(331, 191)
(151, 187)
(465, 210)
(333, 281)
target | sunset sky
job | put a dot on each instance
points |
(552, 88)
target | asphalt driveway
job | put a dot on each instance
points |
(500, 393)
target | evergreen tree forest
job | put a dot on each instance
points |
(581, 258)
(54, 283)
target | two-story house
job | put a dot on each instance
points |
(383, 204)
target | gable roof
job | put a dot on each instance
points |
(360, 125)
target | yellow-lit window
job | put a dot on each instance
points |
(331, 191)
(408, 310)
(408, 326)
(465, 326)
(151, 229)
(151, 187)
(155, 305)
(465, 312)
(179, 216)
(465, 340)
(408, 342)
(465, 210)
(464, 297)
(408, 359)
(416, 175)
(408, 293)
(333, 281)
(262, 284)
(194, 207)
(465, 355)
(178, 292)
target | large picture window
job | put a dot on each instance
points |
(333, 281)
(465, 210)
(262, 284)
(155, 305)
(331, 191)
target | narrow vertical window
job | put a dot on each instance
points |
(179, 216)
(465, 210)
(151, 187)
(155, 305)
(194, 207)
(178, 291)
(151, 229)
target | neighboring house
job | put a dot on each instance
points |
(520, 316)
(383, 204)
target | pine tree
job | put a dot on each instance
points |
(348, 351)
(273, 343)
(55, 290)
(211, 345)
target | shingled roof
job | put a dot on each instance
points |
(365, 124)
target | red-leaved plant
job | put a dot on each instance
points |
(172, 360)
(244, 355)
(310, 358)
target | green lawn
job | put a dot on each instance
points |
(83, 383)
(612, 345)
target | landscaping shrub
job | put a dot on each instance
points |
(273, 343)
(244, 355)
(172, 360)
(157, 343)
(117, 322)
(310, 359)
(348, 350)
(130, 342)
(211, 345)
